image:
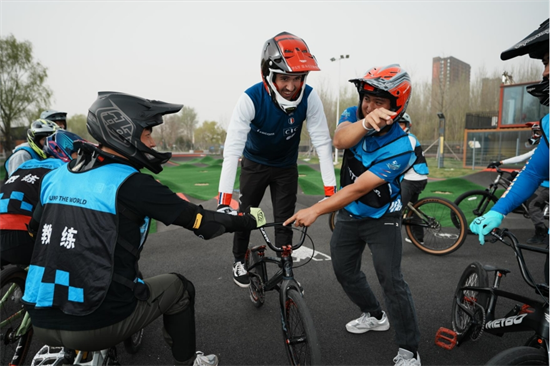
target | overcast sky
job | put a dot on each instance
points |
(204, 54)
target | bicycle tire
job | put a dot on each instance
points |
(470, 203)
(301, 342)
(132, 344)
(439, 234)
(475, 276)
(10, 342)
(257, 276)
(332, 220)
(520, 356)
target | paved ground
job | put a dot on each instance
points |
(228, 323)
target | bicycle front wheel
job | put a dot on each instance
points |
(475, 203)
(520, 356)
(301, 341)
(12, 314)
(430, 225)
(473, 276)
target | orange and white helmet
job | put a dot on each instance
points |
(391, 82)
(286, 54)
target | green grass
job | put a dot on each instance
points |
(197, 178)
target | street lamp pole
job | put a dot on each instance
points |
(441, 150)
(342, 57)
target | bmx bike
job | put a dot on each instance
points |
(300, 337)
(474, 305)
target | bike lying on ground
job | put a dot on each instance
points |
(434, 225)
(474, 305)
(477, 202)
(300, 338)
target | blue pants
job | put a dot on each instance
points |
(383, 237)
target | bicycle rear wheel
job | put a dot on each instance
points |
(475, 203)
(431, 229)
(12, 313)
(474, 276)
(301, 341)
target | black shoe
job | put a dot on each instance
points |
(540, 237)
(240, 275)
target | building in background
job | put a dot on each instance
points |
(449, 71)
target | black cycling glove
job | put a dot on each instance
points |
(210, 224)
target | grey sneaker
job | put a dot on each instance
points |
(240, 275)
(366, 322)
(205, 360)
(405, 358)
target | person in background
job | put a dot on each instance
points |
(539, 199)
(265, 129)
(101, 203)
(60, 118)
(32, 149)
(416, 177)
(370, 207)
(20, 194)
(535, 170)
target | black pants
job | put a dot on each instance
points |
(283, 185)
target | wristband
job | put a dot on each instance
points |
(368, 129)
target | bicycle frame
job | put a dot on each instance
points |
(425, 219)
(285, 275)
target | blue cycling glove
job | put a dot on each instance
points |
(483, 225)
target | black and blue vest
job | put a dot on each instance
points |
(274, 136)
(73, 259)
(20, 194)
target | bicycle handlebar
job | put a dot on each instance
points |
(501, 235)
(303, 231)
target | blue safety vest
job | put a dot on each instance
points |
(73, 260)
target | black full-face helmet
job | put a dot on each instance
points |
(117, 120)
(536, 45)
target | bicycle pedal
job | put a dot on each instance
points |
(446, 338)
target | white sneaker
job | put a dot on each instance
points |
(366, 322)
(205, 360)
(408, 240)
(240, 275)
(405, 358)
